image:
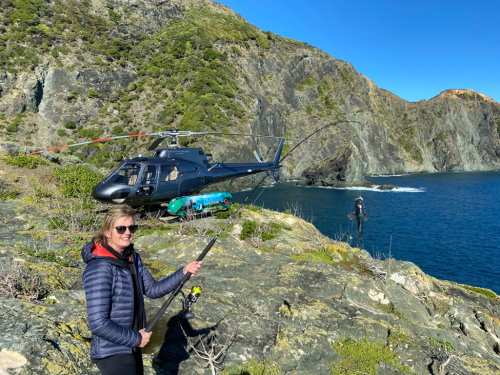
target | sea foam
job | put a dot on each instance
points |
(376, 188)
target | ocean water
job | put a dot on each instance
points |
(446, 223)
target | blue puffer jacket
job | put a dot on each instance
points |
(110, 300)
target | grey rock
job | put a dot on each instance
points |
(290, 301)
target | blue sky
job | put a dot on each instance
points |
(413, 48)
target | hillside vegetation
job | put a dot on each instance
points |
(78, 70)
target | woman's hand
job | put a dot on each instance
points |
(192, 267)
(145, 337)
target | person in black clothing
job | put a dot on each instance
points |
(360, 215)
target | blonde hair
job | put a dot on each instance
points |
(110, 219)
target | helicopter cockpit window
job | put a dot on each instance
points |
(126, 174)
(169, 173)
(149, 175)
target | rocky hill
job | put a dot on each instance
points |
(77, 70)
(278, 298)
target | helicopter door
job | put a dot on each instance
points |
(148, 181)
(169, 180)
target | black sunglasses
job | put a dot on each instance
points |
(122, 228)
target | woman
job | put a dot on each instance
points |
(115, 281)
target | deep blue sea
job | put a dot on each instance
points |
(446, 223)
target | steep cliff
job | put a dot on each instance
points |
(76, 70)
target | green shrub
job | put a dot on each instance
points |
(222, 215)
(26, 12)
(485, 292)
(253, 367)
(92, 93)
(317, 256)
(248, 230)
(12, 128)
(70, 124)
(271, 230)
(440, 343)
(266, 231)
(25, 161)
(77, 181)
(308, 81)
(71, 97)
(364, 357)
(90, 133)
(40, 190)
(74, 217)
(117, 130)
(7, 194)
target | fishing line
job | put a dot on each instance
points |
(205, 251)
(315, 132)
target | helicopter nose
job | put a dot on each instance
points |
(105, 193)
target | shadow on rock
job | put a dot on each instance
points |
(174, 349)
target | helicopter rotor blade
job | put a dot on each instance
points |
(173, 133)
(187, 133)
(156, 143)
(246, 135)
(87, 142)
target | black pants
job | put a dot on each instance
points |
(130, 364)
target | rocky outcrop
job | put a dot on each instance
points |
(383, 134)
(286, 298)
(87, 88)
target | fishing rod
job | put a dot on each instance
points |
(202, 255)
(209, 246)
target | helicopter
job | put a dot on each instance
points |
(176, 175)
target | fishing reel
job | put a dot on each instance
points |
(188, 301)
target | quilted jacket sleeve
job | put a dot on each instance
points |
(157, 289)
(97, 281)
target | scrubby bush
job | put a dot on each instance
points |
(253, 367)
(485, 292)
(364, 357)
(7, 194)
(25, 161)
(77, 181)
(248, 230)
(70, 125)
(73, 217)
(264, 232)
(90, 133)
(22, 282)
